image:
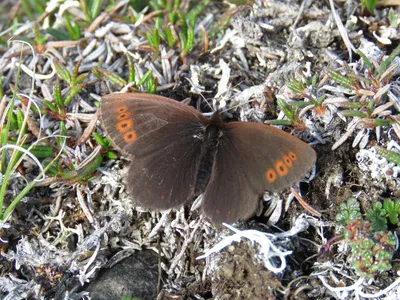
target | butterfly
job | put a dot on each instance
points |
(177, 153)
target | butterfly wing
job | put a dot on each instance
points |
(163, 137)
(250, 159)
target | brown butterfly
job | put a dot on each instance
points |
(177, 153)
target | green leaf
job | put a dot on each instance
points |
(113, 77)
(314, 81)
(41, 151)
(73, 30)
(287, 110)
(63, 132)
(366, 60)
(353, 113)
(391, 156)
(62, 71)
(339, 78)
(297, 86)
(145, 77)
(321, 99)
(57, 95)
(370, 4)
(196, 11)
(168, 37)
(388, 61)
(103, 142)
(111, 155)
(348, 211)
(380, 122)
(40, 40)
(20, 121)
(151, 85)
(50, 105)
(393, 218)
(131, 69)
(190, 40)
(85, 173)
(85, 9)
(138, 5)
(279, 122)
(392, 209)
(377, 215)
(73, 92)
(388, 205)
(394, 21)
(94, 8)
(153, 38)
(59, 34)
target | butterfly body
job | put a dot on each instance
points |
(177, 153)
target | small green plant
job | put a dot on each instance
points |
(307, 88)
(177, 28)
(372, 246)
(73, 24)
(369, 4)
(90, 8)
(348, 211)
(40, 39)
(83, 174)
(73, 30)
(16, 121)
(105, 144)
(15, 143)
(393, 18)
(148, 81)
(75, 82)
(33, 8)
(379, 214)
(292, 113)
(369, 90)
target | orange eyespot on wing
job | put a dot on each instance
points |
(281, 168)
(124, 126)
(130, 136)
(292, 156)
(271, 175)
(121, 109)
(124, 116)
(288, 161)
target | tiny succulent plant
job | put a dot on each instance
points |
(372, 245)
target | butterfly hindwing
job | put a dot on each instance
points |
(250, 159)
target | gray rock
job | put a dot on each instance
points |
(135, 276)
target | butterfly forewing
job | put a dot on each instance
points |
(142, 123)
